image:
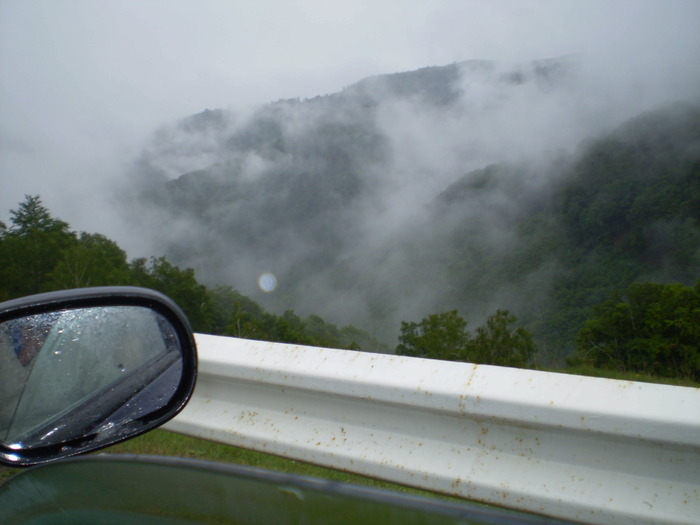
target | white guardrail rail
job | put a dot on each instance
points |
(578, 448)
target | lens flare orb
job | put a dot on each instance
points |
(267, 282)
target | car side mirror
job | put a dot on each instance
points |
(84, 369)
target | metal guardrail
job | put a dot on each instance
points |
(577, 448)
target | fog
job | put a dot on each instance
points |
(336, 195)
(93, 97)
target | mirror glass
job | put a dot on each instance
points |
(82, 372)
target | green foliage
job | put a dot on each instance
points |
(438, 336)
(226, 301)
(497, 343)
(239, 316)
(249, 321)
(651, 328)
(624, 209)
(30, 248)
(39, 253)
(547, 239)
(94, 260)
(178, 284)
(591, 371)
(32, 216)
(287, 328)
(445, 336)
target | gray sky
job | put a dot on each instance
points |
(84, 82)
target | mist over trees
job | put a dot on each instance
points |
(648, 328)
(472, 187)
(445, 336)
(625, 208)
(40, 253)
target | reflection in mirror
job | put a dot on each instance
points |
(83, 372)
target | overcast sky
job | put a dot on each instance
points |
(84, 82)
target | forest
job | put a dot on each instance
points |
(319, 193)
(646, 328)
(475, 212)
(40, 253)
(625, 209)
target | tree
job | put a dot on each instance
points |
(498, 343)
(287, 328)
(32, 216)
(438, 336)
(650, 328)
(180, 285)
(30, 249)
(226, 301)
(94, 260)
(445, 336)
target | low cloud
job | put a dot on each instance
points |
(336, 196)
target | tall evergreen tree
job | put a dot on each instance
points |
(30, 249)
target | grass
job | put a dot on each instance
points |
(165, 443)
(6, 473)
(585, 370)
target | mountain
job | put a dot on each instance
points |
(625, 208)
(472, 186)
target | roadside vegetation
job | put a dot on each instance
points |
(40, 253)
(643, 332)
(165, 443)
(646, 331)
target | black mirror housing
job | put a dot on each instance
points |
(84, 369)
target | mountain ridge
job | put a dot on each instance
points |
(409, 193)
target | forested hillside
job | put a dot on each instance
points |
(472, 187)
(650, 329)
(40, 253)
(625, 208)
(326, 192)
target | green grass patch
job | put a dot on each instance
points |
(584, 370)
(164, 443)
(6, 473)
